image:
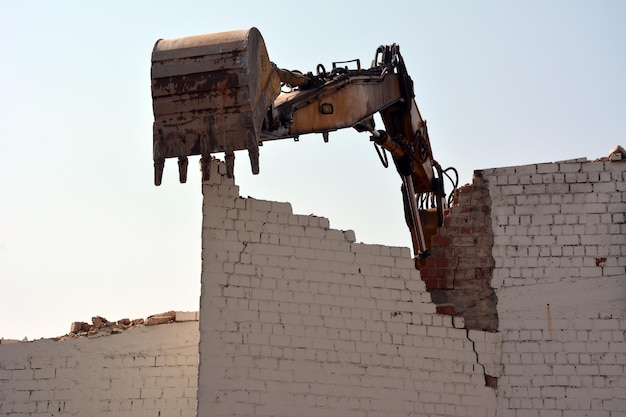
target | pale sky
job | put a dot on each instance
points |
(83, 230)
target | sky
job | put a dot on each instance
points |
(83, 230)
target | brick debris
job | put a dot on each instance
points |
(101, 325)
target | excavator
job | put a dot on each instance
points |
(220, 93)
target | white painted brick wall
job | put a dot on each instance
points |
(299, 320)
(560, 278)
(149, 371)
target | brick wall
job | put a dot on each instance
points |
(560, 279)
(299, 320)
(538, 253)
(458, 273)
(147, 372)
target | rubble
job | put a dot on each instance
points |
(168, 317)
(617, 154)
(100, 326)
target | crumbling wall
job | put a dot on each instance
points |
(538, 252)
(297, 319)
(146, 371)
(459, 271)
(560, 278)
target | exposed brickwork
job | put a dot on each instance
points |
(459, 271)
(298, 319)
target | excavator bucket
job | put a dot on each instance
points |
(210, 93)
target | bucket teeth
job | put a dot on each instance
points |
(205, 167)
(253, 151)
(183, 162)
(159, 164)
(230, 164)
(210, 94)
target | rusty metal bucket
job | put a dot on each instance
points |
(210, 93)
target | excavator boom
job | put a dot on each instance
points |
(221, 93)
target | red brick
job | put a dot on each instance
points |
(438, 283)
(469, 284)
(431, 283)
(447, 262)
(445, 284)
(441, 252)
(437, 273)
(441, 241)
(447, 309)
(461, 264)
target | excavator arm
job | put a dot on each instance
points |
(221, 93)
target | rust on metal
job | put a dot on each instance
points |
(209, 94)
(221, 93)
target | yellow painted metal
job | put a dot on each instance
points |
(221, 93)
